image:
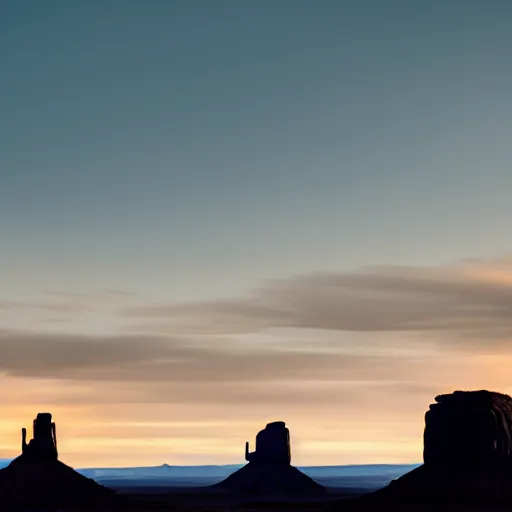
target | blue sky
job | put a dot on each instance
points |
(187, 150)
(239, 140)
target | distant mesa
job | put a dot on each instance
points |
(38, 477)
(467, 450)
(269, 471)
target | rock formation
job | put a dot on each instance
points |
(269, 471)
(468, 428)
(467, 451)
(44, 442)
(38, 478)
(272, 445)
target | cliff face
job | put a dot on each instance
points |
(467, 451)
(272, 445)
(468, 427)
(44, 442)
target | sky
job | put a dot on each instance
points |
(218, 214)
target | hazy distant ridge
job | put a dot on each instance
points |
(368, 476)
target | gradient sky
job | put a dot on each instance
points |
(215, 214)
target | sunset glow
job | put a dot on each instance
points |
(216, 217)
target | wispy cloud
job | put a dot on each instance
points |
(166, 359)
(72, 303)
(470, 299)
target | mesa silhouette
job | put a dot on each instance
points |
(467, 452)
(37, 477)
(269, 471)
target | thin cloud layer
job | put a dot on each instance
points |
(38, 354)
(71, 303)
(471, 299)
(165, 359)
(340, 351)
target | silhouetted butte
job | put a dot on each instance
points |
(467, 451)
(37, 477)
(269, 471)
(44, 442)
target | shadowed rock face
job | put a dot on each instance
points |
(269, 472)
(468, 427)
(467, 451)
(272, 445)
(44, 442)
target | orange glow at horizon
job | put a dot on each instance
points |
(388, 430)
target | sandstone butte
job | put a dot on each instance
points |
(467, 453)
(269, 471)
(37, 476)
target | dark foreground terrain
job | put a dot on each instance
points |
(204, 500)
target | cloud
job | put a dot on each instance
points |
(355, 336)
(72, 303)
(472, 299)
(166, 359)
(33, 354)
(89, 371)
